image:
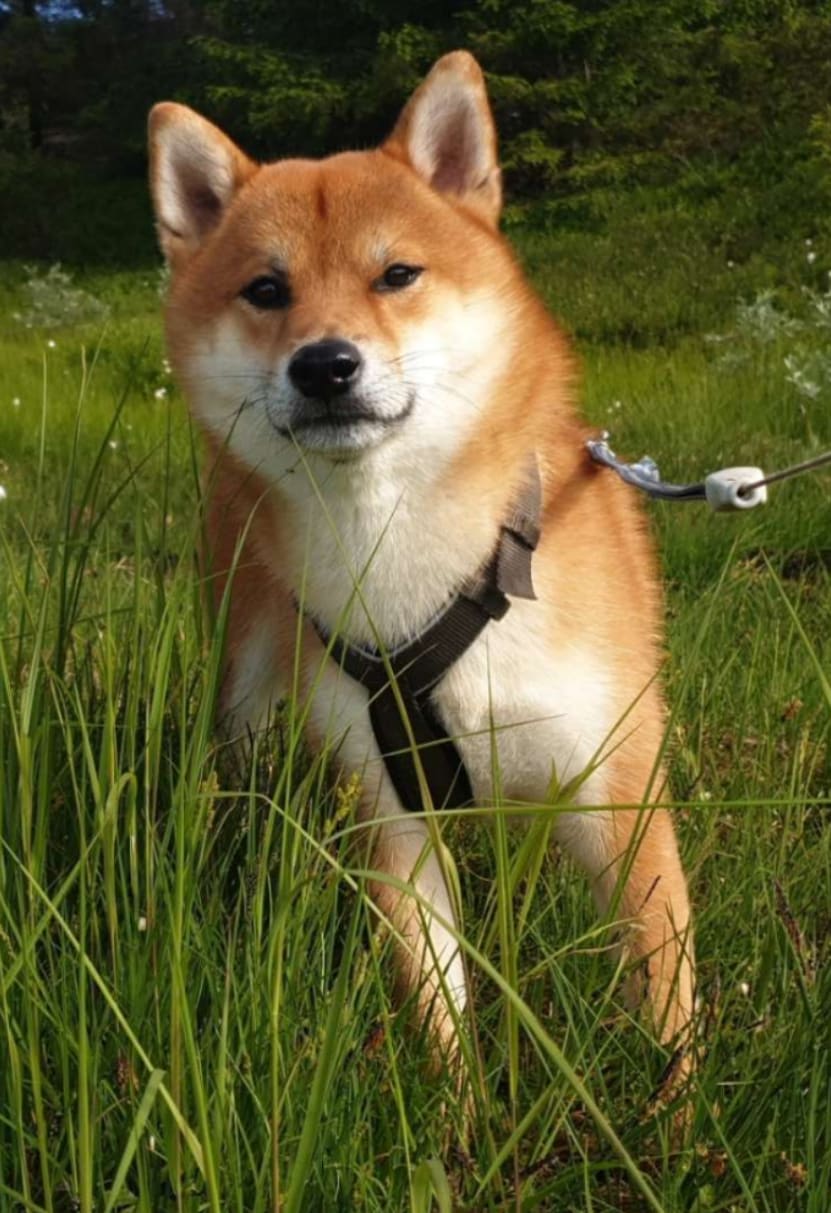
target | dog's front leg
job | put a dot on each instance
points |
(411, 891)
(631, 856)
(404, 855)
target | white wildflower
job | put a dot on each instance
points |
(808, 372)
(50, 344)
(53, 299)
(142, 923)
(811, 257)
(3, 493)
(160, 393)
(15, 402)
(762, 321)
(744, 988)
(113, 445)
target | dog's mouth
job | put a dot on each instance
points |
(342, 424)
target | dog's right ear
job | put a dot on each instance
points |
(195, 171)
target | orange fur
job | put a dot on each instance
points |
(439, 482)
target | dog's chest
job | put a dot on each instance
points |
(379, 565)
(527, 716)
(526, 713)
(525, 720)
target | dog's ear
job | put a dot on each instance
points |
(446, 133)
(195, 171)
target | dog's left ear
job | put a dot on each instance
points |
(446, 133)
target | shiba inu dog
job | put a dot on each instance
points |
(382, 397)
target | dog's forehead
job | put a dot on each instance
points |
(360, 202)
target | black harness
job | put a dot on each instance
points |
(407, 728)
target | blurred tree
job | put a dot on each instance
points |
(588, 93)
(31, 64)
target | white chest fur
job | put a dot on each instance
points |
(373, 560)
(378, 565)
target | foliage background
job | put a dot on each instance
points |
(713, 105)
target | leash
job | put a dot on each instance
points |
(739, 488)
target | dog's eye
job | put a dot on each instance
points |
(269, 291)
(395, 277)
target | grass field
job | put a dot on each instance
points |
(194, 1009)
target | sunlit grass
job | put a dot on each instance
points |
(194, 989)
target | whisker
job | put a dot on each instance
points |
(450, 391)
(228, 376)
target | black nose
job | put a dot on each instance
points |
(325, 369)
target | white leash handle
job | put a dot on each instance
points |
(735, 489)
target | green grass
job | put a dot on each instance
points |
(194, 994)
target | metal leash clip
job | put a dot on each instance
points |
(730, 489)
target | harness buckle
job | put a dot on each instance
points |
(492, 600)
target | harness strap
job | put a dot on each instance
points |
(419, 665)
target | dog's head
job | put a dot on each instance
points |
(343, 307)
